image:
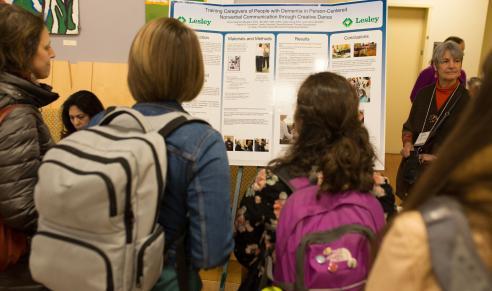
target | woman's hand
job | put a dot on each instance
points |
(407, 148)
(426, 158)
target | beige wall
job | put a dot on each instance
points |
(410, 22)
(487, 37)
(106, 80)
(463, 18)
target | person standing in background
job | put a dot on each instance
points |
(433, 115)
(259, 58)
(428, 76)
(78, 110)
(285, 135)
(474, 85)
(266, 56)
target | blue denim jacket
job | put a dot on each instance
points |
(198, 185)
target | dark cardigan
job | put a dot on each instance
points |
(415, 123)
(418, 112)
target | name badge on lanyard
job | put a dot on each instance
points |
(423, 136)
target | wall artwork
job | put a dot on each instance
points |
(60, 16)
(158, 8)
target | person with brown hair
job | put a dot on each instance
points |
(165, 69)
(25, 55)
(331, 153)
(334, 153)
(456, 184)
(330, 136)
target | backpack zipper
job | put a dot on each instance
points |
(128, 215)
(159, 177)
(109, 271)
(105, 178)
(141, 253)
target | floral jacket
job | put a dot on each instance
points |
(255, 225)
(257, 217)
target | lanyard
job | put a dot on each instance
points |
(442, 112)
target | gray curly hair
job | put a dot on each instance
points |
(451, 46)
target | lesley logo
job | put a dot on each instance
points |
(347, 22)
(195, 21)
(367, 19)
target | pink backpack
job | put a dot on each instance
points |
(325, 242)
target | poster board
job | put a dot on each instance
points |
(257, 55)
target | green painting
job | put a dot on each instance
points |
(159, 8)
(156, 9)
(60, 16)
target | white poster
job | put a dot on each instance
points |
(256, 57)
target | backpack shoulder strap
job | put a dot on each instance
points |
(446, 113)
(125, 117)
(4, 112)
(172, 120)
(130, 118)
(454, 258)
(292, 182)
(283, 174)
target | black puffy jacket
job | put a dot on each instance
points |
(24, 139)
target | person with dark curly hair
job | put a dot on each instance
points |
(332, 149)
(78, 110)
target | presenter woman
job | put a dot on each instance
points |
(433, 115)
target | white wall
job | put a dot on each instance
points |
(463, 18)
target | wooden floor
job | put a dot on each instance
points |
(391, 163)
(211, 278)
(214, 286)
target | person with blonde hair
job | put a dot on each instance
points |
(165, 69)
